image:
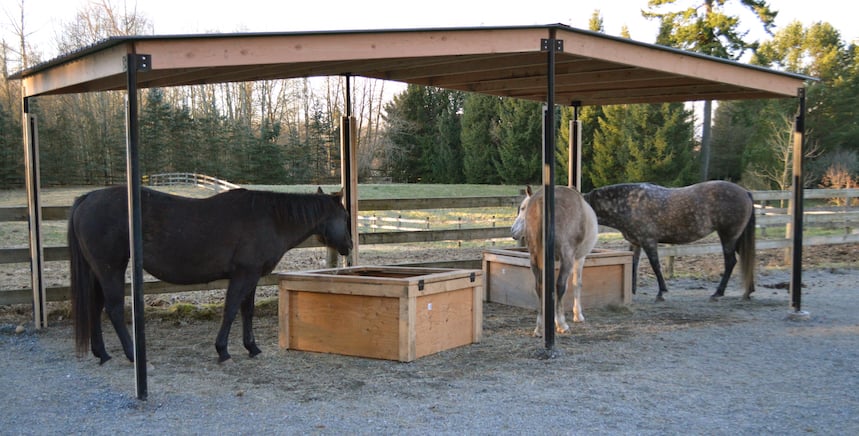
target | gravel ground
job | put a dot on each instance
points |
(685, 366)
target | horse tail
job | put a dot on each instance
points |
(746, 250)
(81, 287)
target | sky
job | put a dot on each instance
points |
(45, 18)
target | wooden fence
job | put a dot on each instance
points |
(193, 179)
(771, 214)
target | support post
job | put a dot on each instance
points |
(34, 215)
(349, 171)
(134, 63)
(575, 153)
(796, 264)
(550, 45)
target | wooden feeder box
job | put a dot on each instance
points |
(383, 312)
(607, 278)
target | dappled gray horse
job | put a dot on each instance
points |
(576, 232)
(648, 214)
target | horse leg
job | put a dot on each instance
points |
(236, 293)
(561, 325)
(538, 279)
(730, 262)
(247, 324)
(653, 257)
(96, 334)
(578, 270)
(114, 304)
(636, 255)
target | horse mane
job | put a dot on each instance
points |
(294, 208)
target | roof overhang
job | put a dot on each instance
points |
(592, 68)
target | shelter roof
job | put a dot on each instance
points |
(591, 68)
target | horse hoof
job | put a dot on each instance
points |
(660, 298)
(224, 358)
(103, 360)
(254, 351)
(714, 299)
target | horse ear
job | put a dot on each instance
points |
(528, 190)
(319, 190)
(339, 193)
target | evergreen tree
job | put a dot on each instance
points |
(611, 147)
(704, 27)
(731, 135)
(155, 134)
(479, 138)
(644, 143)
(520, 135)
(423, 135)
(446, 161)
(665, 153)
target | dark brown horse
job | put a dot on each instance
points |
(238, 235)
(648, 214)
(576, 232)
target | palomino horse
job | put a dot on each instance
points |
(238, 235)
(576, 232)
(648, 214)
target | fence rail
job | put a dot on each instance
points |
(845, 216)
(193, 179)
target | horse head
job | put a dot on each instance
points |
(335, 231)
(517, 231)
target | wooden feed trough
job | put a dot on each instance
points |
(607, 278)
(383, 312)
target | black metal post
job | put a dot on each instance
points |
(135, 62)
(796, 264)
(549, 199)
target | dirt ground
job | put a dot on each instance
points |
(683, 366)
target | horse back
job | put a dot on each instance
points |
(576, 228)
(645, 212)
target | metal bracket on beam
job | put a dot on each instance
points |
(144, 62)
(558, 44)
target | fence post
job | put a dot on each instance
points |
(493, 226)
(459, 227)
(669, 267)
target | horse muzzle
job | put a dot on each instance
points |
(517, 230)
